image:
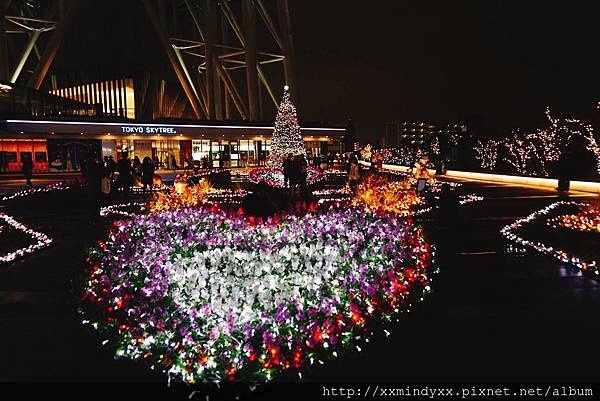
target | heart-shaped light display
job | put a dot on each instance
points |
(211, 296)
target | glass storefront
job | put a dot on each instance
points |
(166, 154)
(314, 148)
(71, 143)
(200, 149)
(247, 153)
(172, 154)
(240, 153)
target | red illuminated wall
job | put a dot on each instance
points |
(12, 150)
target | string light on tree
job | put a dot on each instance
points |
(573, 126)
(487, 153)
(435, 146)
(520, 152)
(287, 140)
(534, 153)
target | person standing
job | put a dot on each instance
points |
(302, 171)
(69, 162)
(379, 162)
(111, 166)
(564, 171)
(354, 175)
(147, 171)
(286, 172)
(125, 178)
(137, 165)
(27, 169)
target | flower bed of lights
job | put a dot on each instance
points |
(58, 186)
(41, 240)
(224, 196)
(333, 196)
(402, 174)
(366, 152)
(155, 188)
(413, 174)
(377, 194)
(469, 198)
(343, 192)
(587, 220)
(510, 232)
(202, 173)
(122, 210)
(193, 196)
(181, 197)
(335, 172)
(274, 176)
(210, 296)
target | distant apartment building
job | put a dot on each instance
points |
(419, 134)
(408, 134)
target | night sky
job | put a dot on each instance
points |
(500, 62)
(442, 61)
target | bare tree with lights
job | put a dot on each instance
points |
(521, 152)
(487, 153)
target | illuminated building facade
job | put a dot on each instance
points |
(61, 145)
(203, 83)
(59, 133)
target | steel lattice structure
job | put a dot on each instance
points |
(218, 42)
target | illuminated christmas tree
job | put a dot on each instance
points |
(287, 141)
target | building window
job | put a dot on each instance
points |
(247, 153)
(167, 152)
(40, 157)
(10, 157)
(200, 149)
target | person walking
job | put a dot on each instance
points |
(147, 171)
(27, 169)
